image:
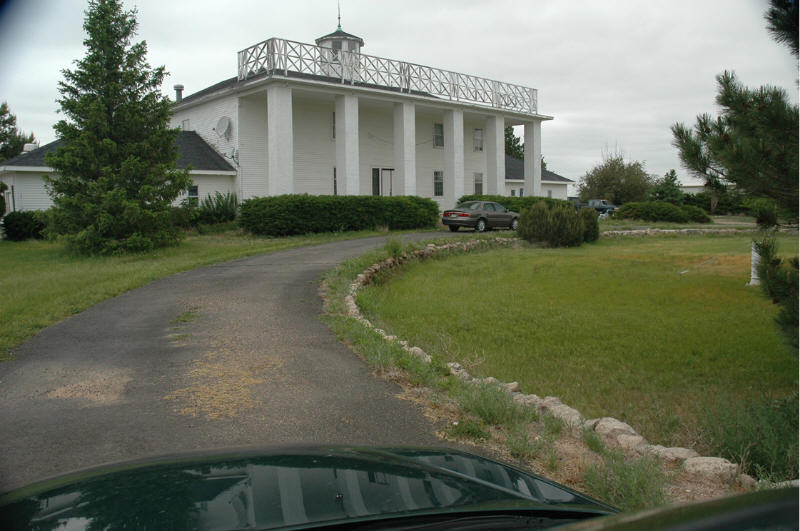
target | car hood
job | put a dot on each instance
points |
(287, 488)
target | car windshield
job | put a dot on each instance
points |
(470, 205)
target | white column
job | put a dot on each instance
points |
(532, 165)
(453, 156)
(405, 147)
(280, 141)
(494, 148)
(347, 143)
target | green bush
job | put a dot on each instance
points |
(302, 214)
(517, 204)
(779, 280)
(591, 226)
(765, 212)
(19, 226)
(652, 211)
(218, 208)
(557, 225)
(696, 214)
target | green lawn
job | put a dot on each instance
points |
(654, 331)
(41, 283)
(717, 222)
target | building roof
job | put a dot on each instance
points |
(341, 35)
(514, 170)
(192, 151)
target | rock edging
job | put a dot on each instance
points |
(614, 433)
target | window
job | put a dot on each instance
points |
(438, 135)
(193, 195)
(489, 207)
(477, 140)
(438, 183)
(513, 192)
(478, 183)
(550, 194)
(334, 181)
(376, 181)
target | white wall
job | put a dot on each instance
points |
(314, 148)
(559, 191)
(203, 119)
(29, 191)
(252, 135)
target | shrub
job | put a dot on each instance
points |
(517, 204)
(765, 212)
(696, 214)
(302, 214)
(19, 226)
(218, 208)
(630, 485)
(557, 225)
(591, 227)
(652, 211)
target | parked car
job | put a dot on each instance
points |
(480, 215)
(330, 487)
(602, 206)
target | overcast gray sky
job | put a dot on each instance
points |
(613, 74)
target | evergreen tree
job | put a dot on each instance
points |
(667, 189)
(616, 180)
(514, 145)
(782, 22)
(11, 140)
(117, 165)
(753, 143)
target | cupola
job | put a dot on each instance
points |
(341, 40)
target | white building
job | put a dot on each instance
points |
(328, 119)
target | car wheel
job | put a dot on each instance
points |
(453, 228)
(514, 224)
(480, 226)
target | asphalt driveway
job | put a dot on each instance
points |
(226, 355)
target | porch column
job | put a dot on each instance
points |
(494, 147)
(532, 165)
(347, 143)
(280, 140)
(405, 146)
(453, 156)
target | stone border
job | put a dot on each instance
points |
(614, 433)
(657, 232)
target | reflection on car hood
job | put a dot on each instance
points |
(301, 487)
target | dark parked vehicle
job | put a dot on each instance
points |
(481, 216)
(331, 487)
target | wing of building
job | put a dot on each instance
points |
(329, 119)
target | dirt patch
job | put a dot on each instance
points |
(99, 387)
(222, 384)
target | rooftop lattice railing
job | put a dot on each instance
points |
(282, 57)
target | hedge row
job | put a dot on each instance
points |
(517, 204)
(302, 214)
(558, 225)
(662, 211)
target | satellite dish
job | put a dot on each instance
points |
(223, 127)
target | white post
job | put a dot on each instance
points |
(494, 147)
(532, 165)
(280, 142)
(453, 156)
(405, 146)
(755, 260)
(347, 158)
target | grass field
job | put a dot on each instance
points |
(658, 332)
(41, 283)
(717, 222)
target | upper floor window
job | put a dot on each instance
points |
(438, 135)
(477, 140)
(193, 195)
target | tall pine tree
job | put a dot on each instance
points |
(11, 139)
(117, 164)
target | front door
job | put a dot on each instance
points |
(382, 181)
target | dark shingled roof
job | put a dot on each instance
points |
(341, 34)
(514, 170)
(192, 151)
